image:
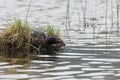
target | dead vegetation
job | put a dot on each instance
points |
(16, 40)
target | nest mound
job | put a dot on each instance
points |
(18, 37)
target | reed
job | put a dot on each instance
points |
(117, 13)
(28, 10)
(68, 18)
(106, 23)
(84, 15)
(111, 20)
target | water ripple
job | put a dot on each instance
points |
(10, 66)
(16, 76)
(64, 73)
(98, 74)
(102, 59)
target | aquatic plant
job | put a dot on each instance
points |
(51, 31)
(19, 40)
(15, 37)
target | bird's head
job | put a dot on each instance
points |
(54, 43)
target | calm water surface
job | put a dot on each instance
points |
(89, 54)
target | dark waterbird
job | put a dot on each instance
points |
(52, 40)
(48, 43)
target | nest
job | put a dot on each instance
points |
(17, 41)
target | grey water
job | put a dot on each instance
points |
(92, 53)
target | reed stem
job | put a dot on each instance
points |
(106, 23)
(117, 17)
(68, 18)
(28, 10)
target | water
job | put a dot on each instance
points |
(90, 54)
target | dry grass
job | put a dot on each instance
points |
(15, 37)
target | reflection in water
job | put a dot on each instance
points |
(66, 65)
